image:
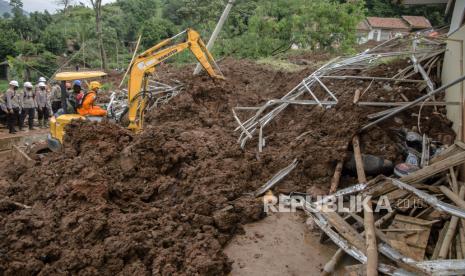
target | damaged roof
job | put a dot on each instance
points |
(407, 22)
(387, 23)
(417, 22)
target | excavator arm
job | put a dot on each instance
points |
(146, 63)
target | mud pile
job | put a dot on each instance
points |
(166, 201)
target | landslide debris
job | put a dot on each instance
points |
(167, 200)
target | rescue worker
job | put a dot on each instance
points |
(87, 107)
(12, 106)
(3, 110)
(68, 88)
(55, 97)
(37, 88)
(74, 97)
(28, 105)
(77, 90)
(43, 104)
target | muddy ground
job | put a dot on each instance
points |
(166, 201)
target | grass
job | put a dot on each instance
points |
(3, 86)
(280, 64)
(107, 86)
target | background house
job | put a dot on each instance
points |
(417, 22)
(384, 28)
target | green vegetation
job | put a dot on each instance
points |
(3, 85)
(383, 8)
(39, 43)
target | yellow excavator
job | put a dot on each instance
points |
(139, 71)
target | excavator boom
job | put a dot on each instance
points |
(146, 63)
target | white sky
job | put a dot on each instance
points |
(41, 5)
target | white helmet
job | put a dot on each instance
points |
(28, 85)
(14, 83)
(42, 79)
(42, 84)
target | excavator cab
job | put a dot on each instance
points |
(59, 122)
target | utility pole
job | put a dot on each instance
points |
(216, 31)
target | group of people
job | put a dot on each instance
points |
(45, 101)
(21, 104)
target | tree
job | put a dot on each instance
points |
(64, 3)
(8, 37)
(38, 22)
(199, 13)
(135, 13)
(6, 15)
(53, 40)
(155, 30)
(97, 6)
(16, 6)
(314, 25)
(20, 22)
(435, 13)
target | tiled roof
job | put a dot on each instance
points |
(417, 21)
(387, 23)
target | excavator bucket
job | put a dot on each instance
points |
(53, 144)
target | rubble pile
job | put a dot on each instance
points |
(419, 220)
(167, 200)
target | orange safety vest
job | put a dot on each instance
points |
(88, 107)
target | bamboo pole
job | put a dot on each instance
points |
(372, 248)
(358, 160)
(458, 248)
(369, 221)
(442, 234)
(130, 63)
(450, 234)
(330, 266)
(462, 239)
(452, 196)
(336, 177)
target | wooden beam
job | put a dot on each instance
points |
(369, 221)
(358, 160)
(451, 230)
(372, 248)
(336, 177)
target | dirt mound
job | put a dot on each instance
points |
(167, 200)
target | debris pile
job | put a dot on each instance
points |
(166, 201)
(419, 219)
(419, 229)
(158, 93)
(323, 112)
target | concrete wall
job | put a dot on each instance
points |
(383, 34)
(457, 16)
(453, 68)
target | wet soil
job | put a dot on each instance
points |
(166, 201)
